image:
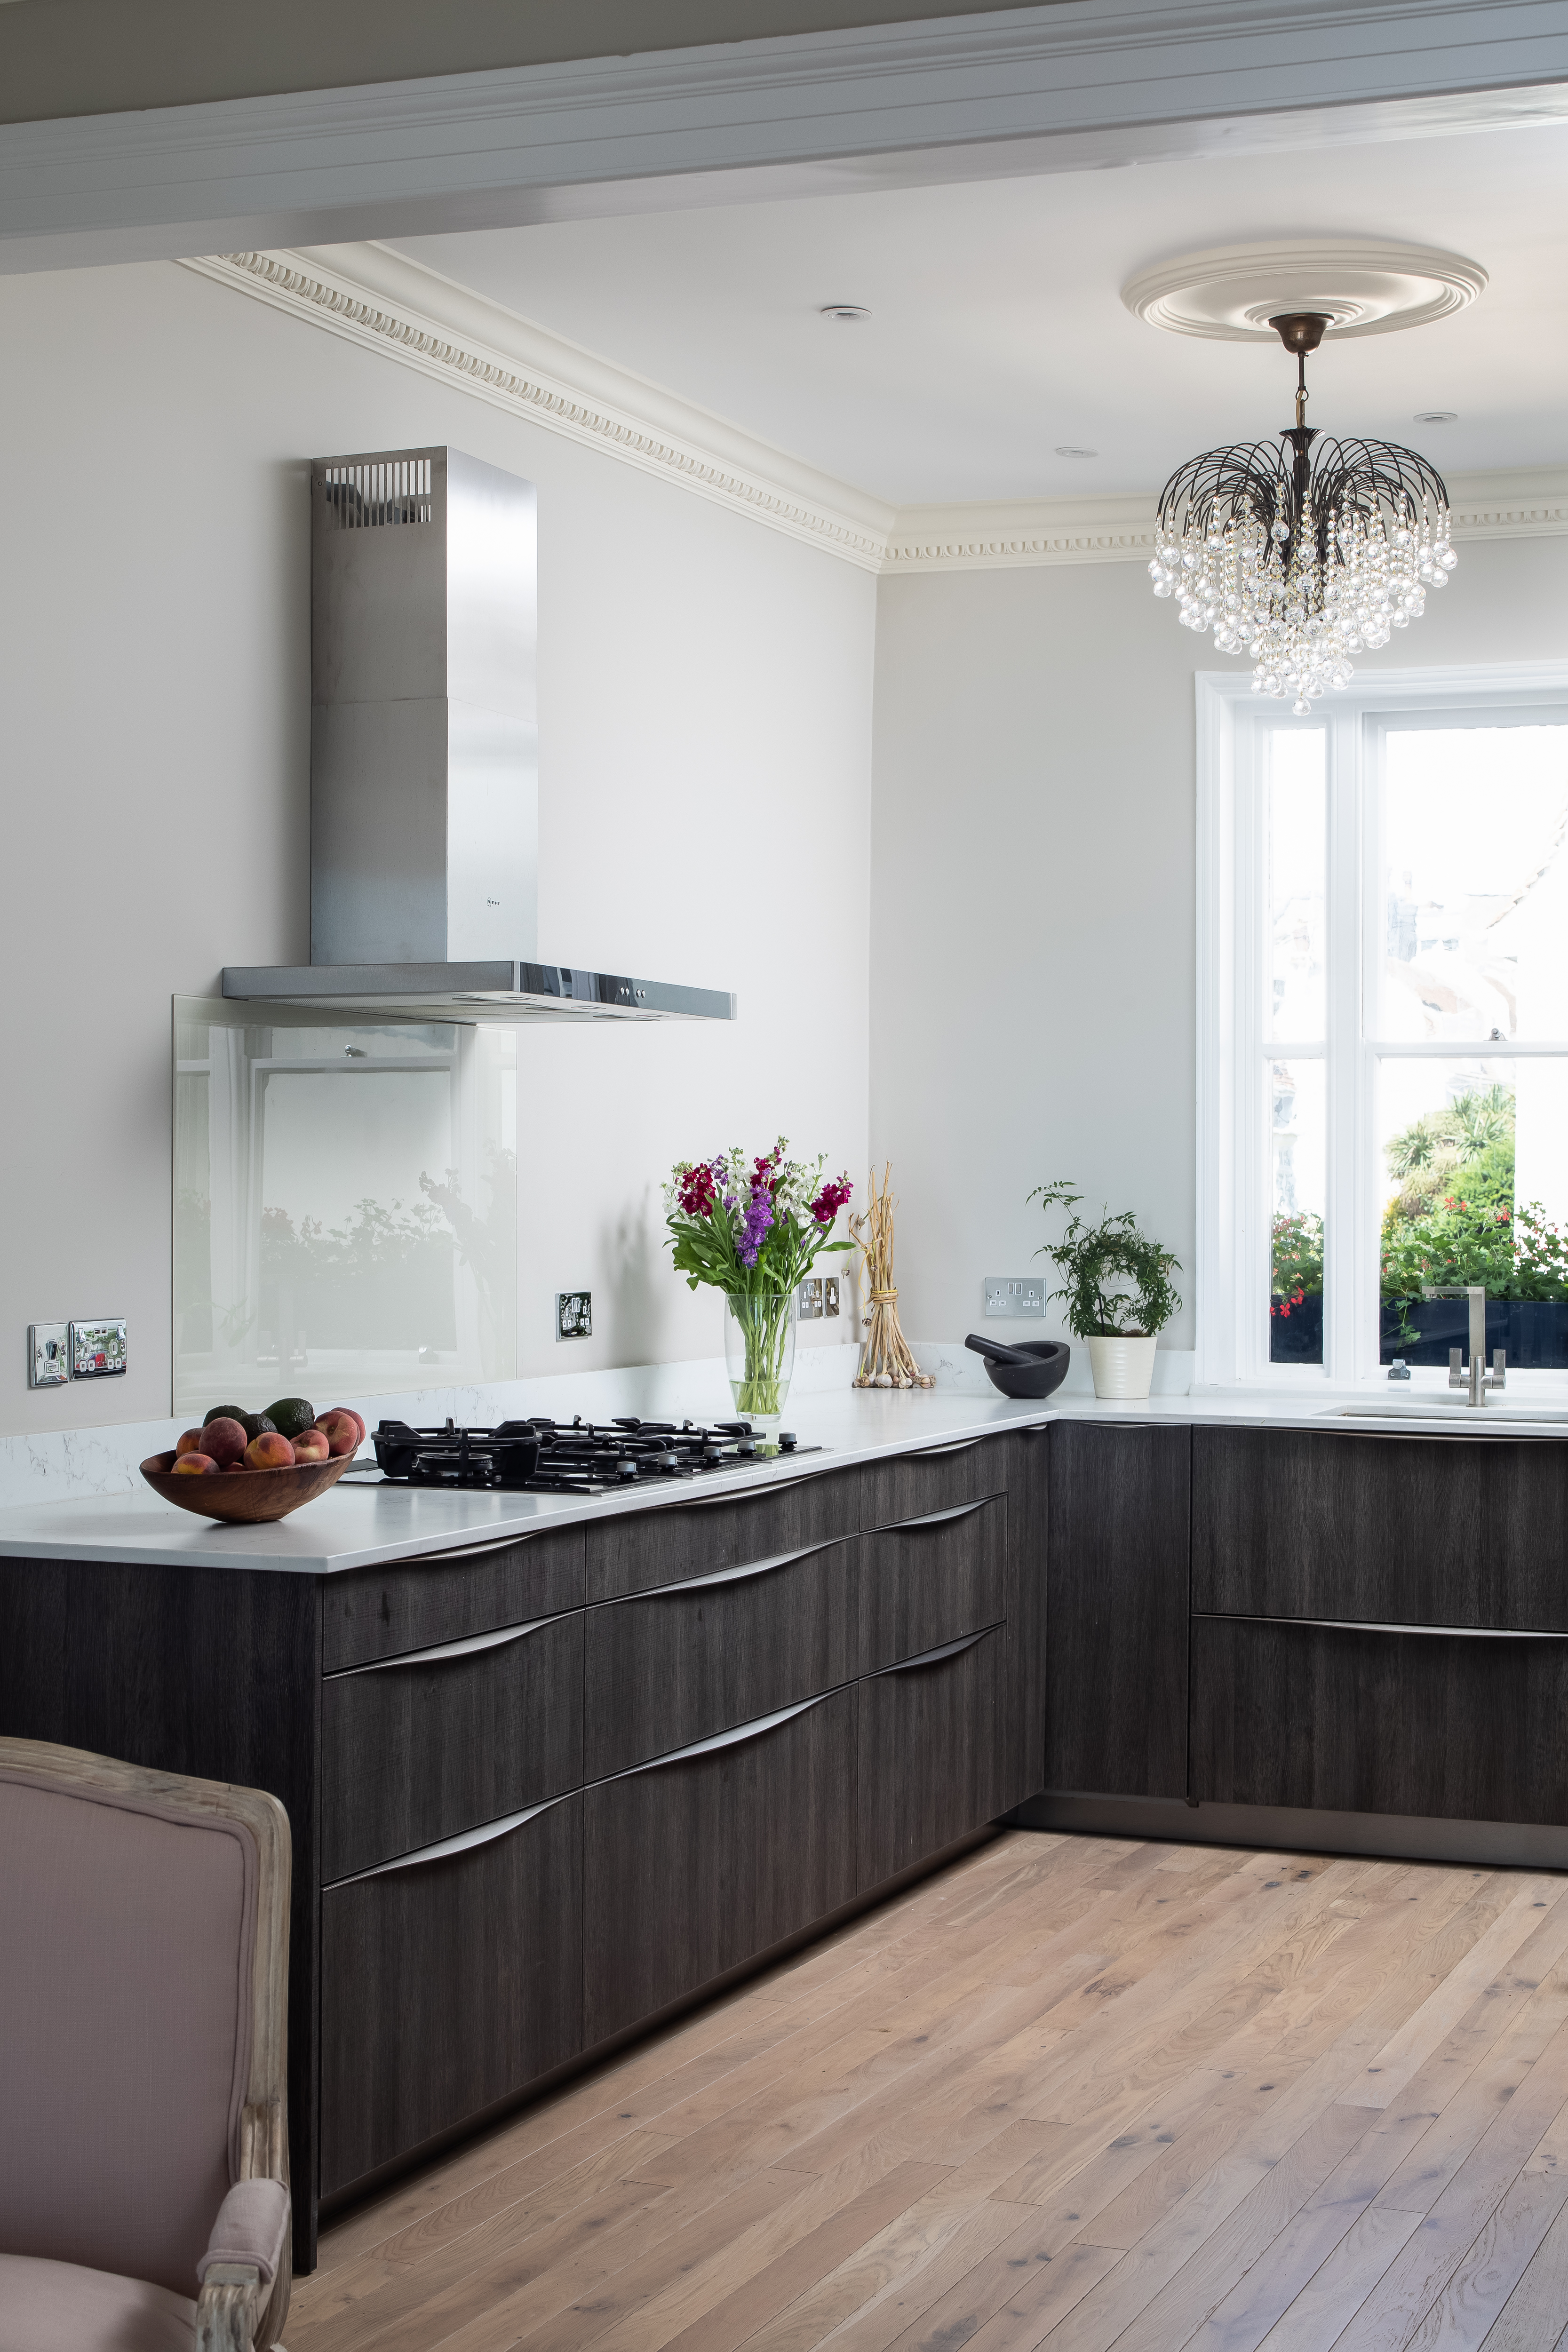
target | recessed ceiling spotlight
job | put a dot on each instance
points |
(1435, 416)
(845, 313)
(1065, 450)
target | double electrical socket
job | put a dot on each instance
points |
(59, 1352)
(819, 1297)
(1008, 1294)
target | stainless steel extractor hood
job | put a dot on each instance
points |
(425, 758)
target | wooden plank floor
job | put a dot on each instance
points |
(1072, 2092)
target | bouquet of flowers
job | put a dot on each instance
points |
(753, 1228)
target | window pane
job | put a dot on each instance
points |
(1296, 765)
(1474, 1185)
(1475, 883)
(1298, 1136)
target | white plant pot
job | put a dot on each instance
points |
(1122, 1368)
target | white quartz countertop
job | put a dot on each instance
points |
(359, 1524)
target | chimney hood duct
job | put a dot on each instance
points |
(425, 758)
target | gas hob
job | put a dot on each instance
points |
(569, 1457)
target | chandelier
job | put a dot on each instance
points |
(1302, 557)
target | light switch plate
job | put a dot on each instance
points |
(811, 1299)
(574, 1314)
(1008, 1293)
(97, 1348)
(830, 1294)
(48, 1355)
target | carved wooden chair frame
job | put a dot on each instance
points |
(234, 2313)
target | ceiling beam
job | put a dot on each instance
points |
(1071, 85)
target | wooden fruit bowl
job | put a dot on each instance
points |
(247, 1497)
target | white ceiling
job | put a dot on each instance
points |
(998, 332)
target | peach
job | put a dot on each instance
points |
(312, 1446)
(229, 1467)
(270, 1451)
(191, 1441)
(224, 1439)
(341, 1431)
(195, 1465)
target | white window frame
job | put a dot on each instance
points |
(1234, 1205)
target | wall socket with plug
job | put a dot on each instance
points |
(574, 1314)
(57, 1352)
(1008, 1294)
(811, 1299)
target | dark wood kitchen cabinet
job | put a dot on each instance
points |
(1117, 1610)
(1353, 1718)
(547, 1784)
(682, 1661)
(936, 1752)
(449, 1983)
(416, 1748)
(697, 1861)
(1393, 1530)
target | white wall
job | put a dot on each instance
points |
(705, 714)
(1033, 912)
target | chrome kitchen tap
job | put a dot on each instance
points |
(1475, 1377)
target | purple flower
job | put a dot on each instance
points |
(754, 1227)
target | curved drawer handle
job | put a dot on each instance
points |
(748, 1568)
(931, 1519)
(470, 1551)
(756, 1729)
(931, 1453)
(442, 1651)
(744, 1494)
(1376, 1625)
(935, 1658)
(464, 1842)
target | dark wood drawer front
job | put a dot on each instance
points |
(668, 1667)
(629, 1554)
(932, 1578)
(1465, 1726)
(1116, 1610)
(936, 1751)
(932, 1478)
(692, 1866)
(431, 1743)
(1405, 1530)
(375, 1612)
(447, 1985)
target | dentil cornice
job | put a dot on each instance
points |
(385, 302)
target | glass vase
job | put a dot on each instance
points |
(759, 1352)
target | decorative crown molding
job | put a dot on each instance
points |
(386, 303)
(523, 368)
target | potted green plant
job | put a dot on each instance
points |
(1116, 1290)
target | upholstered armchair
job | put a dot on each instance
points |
(144, 2122)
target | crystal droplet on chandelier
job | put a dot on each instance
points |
(1299, 557)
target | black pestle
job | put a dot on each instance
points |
(996, 1353)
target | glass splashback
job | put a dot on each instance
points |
(344, 1213)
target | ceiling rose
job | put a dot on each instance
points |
(1230, 293)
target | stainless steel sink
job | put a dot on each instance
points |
(1463, 1419)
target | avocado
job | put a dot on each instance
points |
(225, 1413)
(293, 1416)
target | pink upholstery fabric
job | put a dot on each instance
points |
(249, 2228)
(54, 2307)
(125, 1953)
